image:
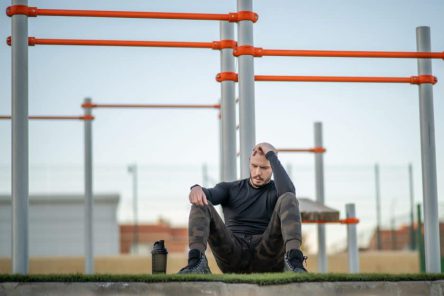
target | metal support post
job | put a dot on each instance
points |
(228, 107)
(428, 156)
(205, 177)
(352, 240)
(132, 169)
(89, 203)
(378, 209)
(221, 145)
(412, 210)
(247, 128)
(319, 180)
(20, 152)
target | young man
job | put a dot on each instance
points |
(262, 230)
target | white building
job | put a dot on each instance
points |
(56, 225)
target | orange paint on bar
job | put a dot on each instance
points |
(412, 80)
(151, 106)
(340, 221)
(230, 17)
(232, 76)
(311, 150)
(216, 45)
(93, 42)
(50, 117)
(350, 54)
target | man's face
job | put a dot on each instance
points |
(260, 169)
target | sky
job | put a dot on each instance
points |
(363, 124)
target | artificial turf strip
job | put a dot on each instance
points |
(259, 279)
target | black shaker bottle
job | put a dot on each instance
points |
(159, 257)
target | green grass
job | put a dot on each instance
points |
(259, 279)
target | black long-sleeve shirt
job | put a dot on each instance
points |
(247, 210)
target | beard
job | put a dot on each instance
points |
(259, 180)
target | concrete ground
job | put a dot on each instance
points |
(423, 288)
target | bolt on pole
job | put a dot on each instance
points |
(247, 128)
(428, 157)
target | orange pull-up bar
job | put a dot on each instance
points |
(38, 41)
(297, 150)
(341, 221)
(311, 150)
(231, 76)
(260, 52)
(50, 117)
(151, 106)
(412, 80)
(230, 17)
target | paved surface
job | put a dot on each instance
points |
(423, 288)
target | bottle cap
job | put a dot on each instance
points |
(159, 248)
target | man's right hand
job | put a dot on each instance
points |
(197, 196)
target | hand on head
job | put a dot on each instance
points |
(263, 148)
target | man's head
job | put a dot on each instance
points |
(260, 168)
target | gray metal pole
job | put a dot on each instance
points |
(412, 209)
(20, 152)
(228, 107)
(247, 128)
(221, 146)
(378, 209)
(289, 169)
(205, 178)
(319, 181)
(89, 246)
(428, 157)
(132, 169)
(393, 224)
(352, 240)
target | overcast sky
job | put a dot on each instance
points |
(363, 123)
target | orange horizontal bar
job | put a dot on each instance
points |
(411, 80)
(230, 17)
(50, 117)
(341, 221)
(311, 150)
(350, 54)
(39, 41)
(232, 76)
(151, 106)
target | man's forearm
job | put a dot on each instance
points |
(281, 178)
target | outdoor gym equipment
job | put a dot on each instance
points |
(245, 52)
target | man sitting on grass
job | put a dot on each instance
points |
(262, 230)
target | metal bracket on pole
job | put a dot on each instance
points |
(428, 157)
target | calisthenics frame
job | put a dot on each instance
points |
(245, 18)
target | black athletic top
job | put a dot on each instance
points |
(247, 210)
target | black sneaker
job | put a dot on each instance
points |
(294, 261)
(197, 263)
